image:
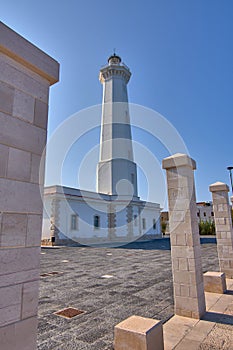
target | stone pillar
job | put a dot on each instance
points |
(188, 285)
(223, 226)
(55, 221)
(26, 74)
(111, 222)
(129, 219)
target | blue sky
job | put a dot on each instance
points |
(180, 53)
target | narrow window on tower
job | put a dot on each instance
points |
(132, 179)
(144, 223)
(154, 224)
(74, 222)
(96, 221)
(135, 220)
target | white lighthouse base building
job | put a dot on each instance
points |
(74, 216)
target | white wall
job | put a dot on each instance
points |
(88, 208)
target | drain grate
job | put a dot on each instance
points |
(69, 312)
(53, 273)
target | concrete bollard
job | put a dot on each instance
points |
(138, 333)
(215, 282)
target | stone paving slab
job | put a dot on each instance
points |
(214, 331)
(141, 284)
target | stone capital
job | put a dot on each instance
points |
(22, 51)
(178, 160)
(219, 186)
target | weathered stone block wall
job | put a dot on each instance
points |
(188, 284)
(26, 74)
(223, 225)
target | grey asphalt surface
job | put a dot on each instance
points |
(139, 282)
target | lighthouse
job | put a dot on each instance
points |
(116, 170)
(114, 214)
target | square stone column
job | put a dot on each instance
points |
(188, 284)
(26, 74)
(223, 227)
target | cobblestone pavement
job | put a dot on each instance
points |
(138, 280)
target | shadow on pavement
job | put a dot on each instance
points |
(161, 244)
(155, 244)
(208, 240)
(218, 318)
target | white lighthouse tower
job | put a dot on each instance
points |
(116, 170)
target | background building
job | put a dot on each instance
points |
(204, 213)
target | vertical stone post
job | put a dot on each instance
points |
(231, 208)
(188, 285)
(223, 226)
(26, 74)
(55, 221)
(111, 222)
(129, 216)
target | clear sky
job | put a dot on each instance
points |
(180, 53)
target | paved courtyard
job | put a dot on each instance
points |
(109, 284)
